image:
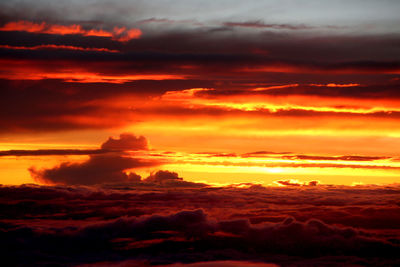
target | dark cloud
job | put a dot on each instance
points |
(197, 47)
(170, 179)
(311, 225)
(166, 21)
(42, 105)
(262, 25)
(98, 169)
(163, 176)
(106, 168)
(206, 60)
(126, 141)
(51, 152)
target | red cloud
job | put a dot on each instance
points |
(121, 34)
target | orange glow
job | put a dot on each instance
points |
(285, 103)
(126, 35)
(20, 70)
(195, 133)
(94, 78)
(336, 85)
(238, 169)
(228, 168)
(119, 34)
(275, 87)
(25, 26)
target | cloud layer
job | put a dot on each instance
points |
(318, 225)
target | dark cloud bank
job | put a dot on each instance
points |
(140, 225)
(107, 165)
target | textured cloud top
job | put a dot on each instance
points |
(150, 224)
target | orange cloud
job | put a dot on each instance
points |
(275, 87)
(259, 102)
(336, 85)
(25, 70)
(121, 34)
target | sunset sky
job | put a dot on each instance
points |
(223, 91)
(200, 133)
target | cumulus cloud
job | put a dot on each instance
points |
(96, 170)
(108, 167)
(163, 176)
(126, 141)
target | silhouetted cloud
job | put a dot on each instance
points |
(108, 167)
(126, 141)
(51, 152)
(98, 169)
(170, 179)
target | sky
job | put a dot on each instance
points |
(223, 91)
(200, 133)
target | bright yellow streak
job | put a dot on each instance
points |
(279, 103)
(266, 176)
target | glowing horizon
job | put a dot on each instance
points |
(180, 133)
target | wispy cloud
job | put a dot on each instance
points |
(121, 34)
(262, 25)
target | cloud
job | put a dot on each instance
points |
(216, 61)
(98, 169)
(262, 25)
(51, 152)
(339, 158)
(108, 167)
(166, 21)
(307, 225)
(126, 141)
(36, 105)
(296, 183)
(163, 176)
(170, 179)
(64, 47)
(119, 33)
